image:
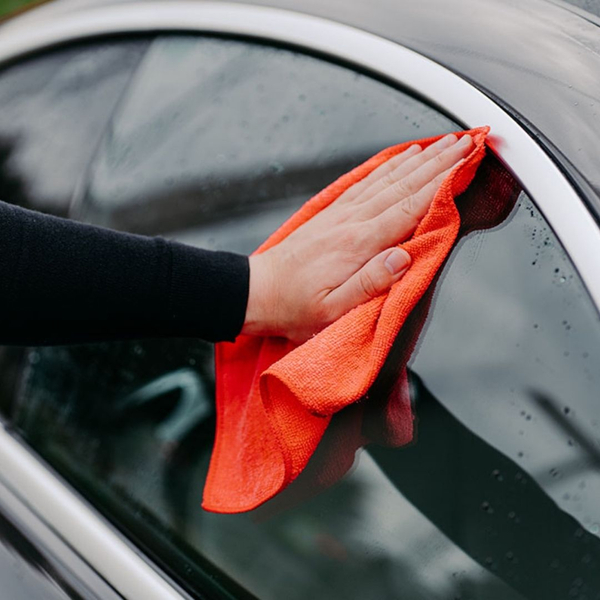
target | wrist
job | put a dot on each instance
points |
(259, 318)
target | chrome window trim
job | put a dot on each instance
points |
(79, 525)
(553, 194)
(64, 562)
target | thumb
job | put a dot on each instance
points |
(372, 280)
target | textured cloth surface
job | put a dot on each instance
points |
(487, 202)
(275, 400)
(67, 282)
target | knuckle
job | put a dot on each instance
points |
(407, 208)
(324, 314)
(388, 180)
(401, 188)
(438, 159)
(368, 284)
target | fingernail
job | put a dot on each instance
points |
(397, 261)
(446, 141)
(464, 141)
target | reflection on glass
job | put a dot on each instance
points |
(218, 133)
(54, 110)
(55, 107)
(494, 500)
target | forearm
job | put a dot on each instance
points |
(64, 282)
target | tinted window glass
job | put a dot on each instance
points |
(54, 110)
(55, 107)
(217, 128)
(590, 5)
(215, 144)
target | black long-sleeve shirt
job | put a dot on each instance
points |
(62, 282)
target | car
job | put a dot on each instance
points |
(210, 123)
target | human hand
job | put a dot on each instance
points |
(346, 255)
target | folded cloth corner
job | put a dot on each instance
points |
(275, 399)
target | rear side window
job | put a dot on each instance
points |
(54, 110)
(215, 143)
(590, 5)
(55, 107)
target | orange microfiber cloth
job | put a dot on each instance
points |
(275, 399)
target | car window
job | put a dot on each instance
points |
(55, 107)
(590, 6)
(215, 143)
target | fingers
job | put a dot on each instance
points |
(390, 172)
(379, 173)
(399, 221)
(423, 174)
(372, 280)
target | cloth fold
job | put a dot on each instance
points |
(275, 400)
(379, 420)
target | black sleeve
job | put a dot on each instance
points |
(64, 282)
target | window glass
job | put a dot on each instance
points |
(590, 5)
(221, 134)
(215, 143)
(55, 107)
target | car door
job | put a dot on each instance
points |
(214, 142)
